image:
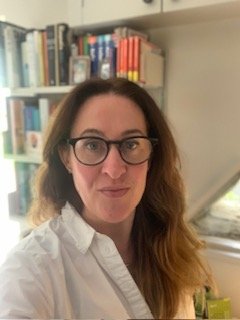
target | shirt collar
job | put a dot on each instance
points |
(78, 228)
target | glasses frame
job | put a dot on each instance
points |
(73, 141)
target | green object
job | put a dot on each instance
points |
(199, 303)
(219, 309)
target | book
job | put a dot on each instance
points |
(23, 192)
(130, 58)
(101, 51)
(25, 65)
(118, 57)
(107, 64)
(63, 52)
(124, 58)
(125, 32)
(13, 36)
(121, 33)
(3, 75)
(16, 114)
(136, 58)
(79, 45)
(40, 57)
(47, 106)
(32, 58)
(148, 63)
(6, 134)
(31, 117)
(93, 53)
(44, 112)
(151, 68)
(52, 56)
(86, 49)
(45, 57)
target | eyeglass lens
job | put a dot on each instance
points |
(94, 150)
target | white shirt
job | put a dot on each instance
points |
(65, 269)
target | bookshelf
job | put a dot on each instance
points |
(37, 68)
(34, 91)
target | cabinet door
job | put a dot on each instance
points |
(103, 11)
(173, 5)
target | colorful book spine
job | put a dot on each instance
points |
(93, 53)
(125, 57)
(10, 50)
(118, 57)
(110, 53)
(130, 58)
(3, 75)
(23, 188)
(45, 57)
(51, 45)
(17, 125)
(40, 56)
(63, 53)
(25, 64)
(44, 112)
(136, 58)
(32, 118)
(32, 59)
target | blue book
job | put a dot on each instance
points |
(93, 52)
(28, 118)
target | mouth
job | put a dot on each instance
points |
(114, 192)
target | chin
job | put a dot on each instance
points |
(117, 216)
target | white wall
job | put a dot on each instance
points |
(226, 269)
(203, 98)
(33, 13)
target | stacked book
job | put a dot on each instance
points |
(27, 121)
(58, 55)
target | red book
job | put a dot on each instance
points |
(80, 45)
(125, 57)
(130, 57)
(136, 58)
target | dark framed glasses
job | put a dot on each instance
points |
(94, 150)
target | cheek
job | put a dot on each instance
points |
(83, 177)
(140, 176)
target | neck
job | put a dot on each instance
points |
(120, 233)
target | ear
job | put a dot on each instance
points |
(64, 154)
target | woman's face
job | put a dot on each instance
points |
(111, 190)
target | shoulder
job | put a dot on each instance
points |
(25, 278)
(31, 247)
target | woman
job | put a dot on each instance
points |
(113, 242)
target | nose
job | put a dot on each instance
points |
(114, 165)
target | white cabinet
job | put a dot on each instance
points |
(74, 12)
(104, 11)
(174, 5)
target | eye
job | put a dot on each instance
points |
(93, 144)
(130, 144)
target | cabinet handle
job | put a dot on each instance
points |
(148, 1)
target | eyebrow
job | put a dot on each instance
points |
(101, 133)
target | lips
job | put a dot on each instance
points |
(114, 192)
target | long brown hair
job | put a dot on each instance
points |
(167, 264)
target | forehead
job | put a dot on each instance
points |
(110, 114)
